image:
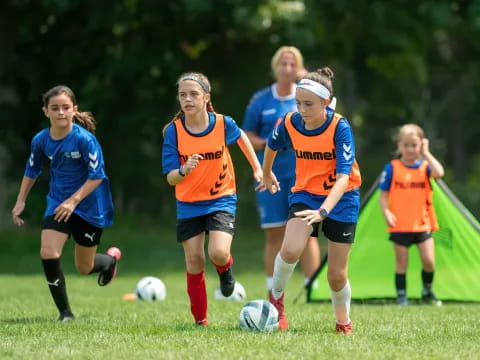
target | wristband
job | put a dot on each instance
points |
(180, 172)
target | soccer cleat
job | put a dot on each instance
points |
(227, 282)
(106, 276)
(203, 322)
(66, 316)
(282, 317)
(429, 297)
(344, 329)
(402, 300)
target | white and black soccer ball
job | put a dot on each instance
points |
(151, 288)
(259, 315)
(239, 293)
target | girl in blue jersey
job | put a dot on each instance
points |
(79, 202)
(326, 190)
(266, 108)
(196, 161)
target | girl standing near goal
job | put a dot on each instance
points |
(406, 201)
(79, 202)
(326, 190)
(197, 162)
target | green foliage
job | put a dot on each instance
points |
(394, 62)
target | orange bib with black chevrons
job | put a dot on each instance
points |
(214, 176)
(410, 199)
(316, 159)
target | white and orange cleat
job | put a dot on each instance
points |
(344, 329)
(282, 317)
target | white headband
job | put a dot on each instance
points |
(314, 87)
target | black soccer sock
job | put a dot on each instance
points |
(102, 262)
(56, 283)
(401, 283)
(427, 280)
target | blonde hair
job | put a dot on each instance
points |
(286, 49)
(409, 130)
(204, 83)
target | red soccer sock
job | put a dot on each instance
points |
(198, 295)
(223, 268)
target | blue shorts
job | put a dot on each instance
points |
(273, 208)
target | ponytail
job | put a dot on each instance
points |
(179, 114)
(86, 120)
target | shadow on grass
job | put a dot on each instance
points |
(27, 320)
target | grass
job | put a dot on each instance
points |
(107, 327)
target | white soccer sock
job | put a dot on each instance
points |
(269, 283)
(341, 304)
(281, 274)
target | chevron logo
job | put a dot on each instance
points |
(93, 165)
(347, 151)
(31, 160)
(331, 181)
(275, 133)
(93, 157)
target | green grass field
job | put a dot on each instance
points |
(107, 327)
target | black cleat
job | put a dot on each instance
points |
(66, 316)
(429, 297)
(227, 282)
(106, 276)
(402, 300)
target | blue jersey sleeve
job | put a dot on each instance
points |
(92, 156)
(35, 161)
(386, 178)
(232, 130)
(279, 138)
(345, 147)
(170, 155)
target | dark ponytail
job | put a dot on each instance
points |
(84, 119)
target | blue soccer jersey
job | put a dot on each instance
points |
(265, 110)
(171, 161)
(73, 160)
(348, 206)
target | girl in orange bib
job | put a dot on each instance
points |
(406, 201)
(197, 162)
(326, 190)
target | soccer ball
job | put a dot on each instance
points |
(151, 288)
(259, 315)
(238, 294)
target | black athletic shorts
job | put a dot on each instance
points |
(409, 238)
(218, 221)
(336, 231)
(82, 232)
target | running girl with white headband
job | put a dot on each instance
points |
(326, 190)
